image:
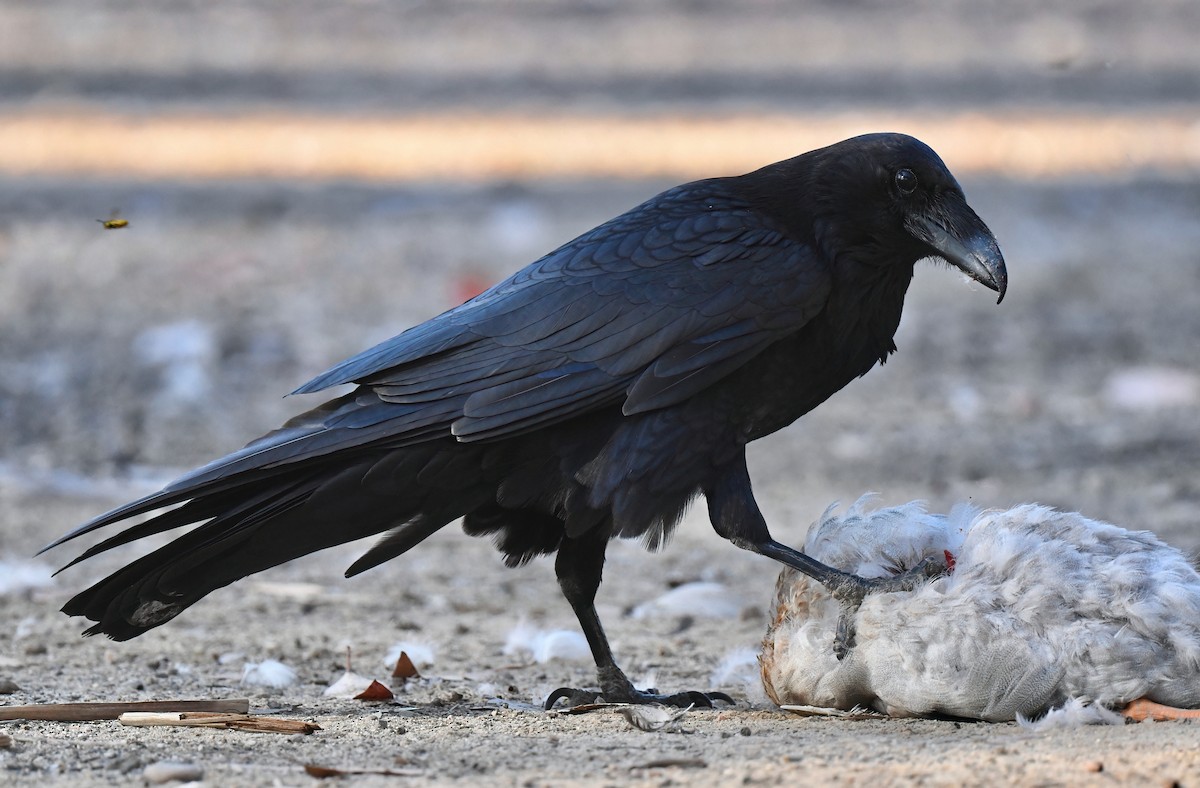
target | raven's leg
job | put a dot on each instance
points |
(579, 565)
(735, 516)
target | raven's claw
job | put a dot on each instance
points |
(852, 593)
(682, 700)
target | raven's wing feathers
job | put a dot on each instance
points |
(644, 311)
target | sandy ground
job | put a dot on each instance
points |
(130, 355)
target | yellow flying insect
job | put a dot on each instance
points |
(113, 223)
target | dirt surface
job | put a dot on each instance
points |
(128, 356)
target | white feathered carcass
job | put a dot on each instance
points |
(1041, 607)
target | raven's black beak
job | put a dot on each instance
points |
(960, 236)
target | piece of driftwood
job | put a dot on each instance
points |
(87, 712)
(197, 719)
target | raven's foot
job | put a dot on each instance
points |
(851, 590)
(615, 688)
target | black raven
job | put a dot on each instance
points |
(589, 396)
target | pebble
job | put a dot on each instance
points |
(6, 741)
(8, 687)
(171, 771)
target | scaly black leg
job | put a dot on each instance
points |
(580, 565)
(735, 515)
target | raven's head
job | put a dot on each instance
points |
(888, 199)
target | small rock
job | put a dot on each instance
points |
(8, 687)
(6, 741)
(1093, 766)
(172, 771)
(125, 764)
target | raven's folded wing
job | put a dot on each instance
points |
(645, 310)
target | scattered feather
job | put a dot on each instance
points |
(27, 626)
(740, 668)
(18, 576)
(301, 592)
(1075, 713)
(348, 685)
(655, 718)
(1152, 388)
(526, 640)
(856, 713)
(182, 352)
(268, 673)
(700, 599)
(172, 771)
(422, 655)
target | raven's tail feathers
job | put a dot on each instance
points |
(258, 525)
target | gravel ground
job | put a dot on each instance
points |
(128, 356)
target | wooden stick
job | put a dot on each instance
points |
(241, 722)
(86, 712)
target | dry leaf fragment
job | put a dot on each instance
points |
(405, 669)
(375, 691)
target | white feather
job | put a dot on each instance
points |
(1075, 713)
(268, 673)
(421, 654)
(20, 575)
(699, 599)
(347, 685)
(526, 640)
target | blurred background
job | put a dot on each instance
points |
(301, 179)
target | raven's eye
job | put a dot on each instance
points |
(906, 181)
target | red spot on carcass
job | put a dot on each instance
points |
(950, 560)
